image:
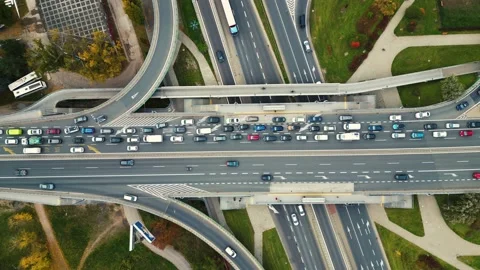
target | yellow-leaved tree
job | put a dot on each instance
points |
(387, 7)
(18, 218)
(37, 260)
(24, 239)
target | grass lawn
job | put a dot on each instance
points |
(470, 233)
(239, 222)
(409, 219)
(429, 24)
(333, 23)
(266, 24)
(114, 254)
(187, 69)
(402, 254)
(473, 261)
(274, 256)
(460, 14)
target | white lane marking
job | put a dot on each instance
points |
(290, 164)
(60, 168)
(91, 167)
(393, 163)
(463, 161)
(452, 170)
(358, 163)
(427, 162)
(159, 166)
(324, 164)
(257, 164)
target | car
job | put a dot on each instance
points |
(77, 149)
(230, 252)
(398, 126)
(133, 139)
(252, 119)
(213, 120)
(219, 138)
(236, 136)
(100, 119)
(345, 118)
(11, 141)
(34, 131)
(88, 130)
(98, 139)
(269, 138)
(232, 120)
(314, 119)
(116, 140)
(147, 130)
(465, 133)
(232, 163)
(402, 176)
(253, 137)
(130, 130)
(301, 21)
(452, 125)
(473, 124)
(398, 135)
(461, 106)
(53, 131)
(314, 128)
(47, 186)
(369, 136)
(306, 44)
(106, 131)
(78, 140)
(294, 219)
(430, 126)
(54, 141)
(175, 139)
(259, 127)
(301, 137)
(132, 148)
(293, 128)
(21, 172)
(228, 128)
(301, 211)
(80, 119)
(220, 56)
(321, 137)
(298, 119)
(277, 128)
(129, 197)
(420, 115)
(395, 117)
(285, 138)
(439, 134)
(243, 127)
(127, 162)
(476, 175)
(72, 129)
(187, 122)
(329, 128)
(180, 129)
(266, 177)
(375, 127)
(200, 138)
(279, 119)
(417, 135)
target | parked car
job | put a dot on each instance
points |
(369, 136)
(398, 126)
(375, 127)
(279, 119)
(430, 126)
(395, 117)
(314, 119)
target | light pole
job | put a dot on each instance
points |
(10, 3)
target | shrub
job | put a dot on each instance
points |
(382, 24)
(363, 25)
(412, 25)
(413, 13)
(354, 44)
(133, 8)
(357, 61)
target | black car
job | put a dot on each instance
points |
(21, 172)
(116, 140)
(369, 136)
(285, 138)
(314, 128)
(269, 138)
(430, 126)
(228, 128)
(147, 130)
(473, 124)
(243, 127)
(279, 119)
(200, 138)
(213, 120)
(78, 140)
(236, 136)
(220, 56)
(127, 162)
(181, 129)
(402, 176)
(161, 125)
(267, 177)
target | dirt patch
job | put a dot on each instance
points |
(11, 32)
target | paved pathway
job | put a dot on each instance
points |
(439, 239)
(261, 221)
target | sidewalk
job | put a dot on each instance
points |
(169, 253)
(261, 221)
(439, 239)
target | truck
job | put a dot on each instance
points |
(32, 141)
(350, 136)
(153, 138)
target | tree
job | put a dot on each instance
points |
(18, 218)
(45, 58)
(413, 13)
(451, 88)
(165, 232)
(386, 7)
(13, 64)
(24, 239)
(133, 8)
(37, 260)
(7, 16)
(464, 210)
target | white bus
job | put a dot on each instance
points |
(230, 19)
(29, 78)
(29, 89)
(144, 232)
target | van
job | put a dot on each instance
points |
(203, 131)
(129, 197)
(32, 150)
(301, 21)
(300, 211)
(106, 130)
(14, 132)
(352, 126)
(345, 118)
(322, 137)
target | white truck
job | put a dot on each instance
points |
(153, 138)
(350, 136)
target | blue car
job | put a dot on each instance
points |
(88, 130)
(461, 106)
(259, 128)
(277, 128)
(375, 128)
(417, 135)
(314, 119)
(398, 126)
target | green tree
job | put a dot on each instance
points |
(464, 210)
(451, 88)
(133, 8)
(13, 64)
(386, 7)
(45, 58)
(413, 13)
(6, 14)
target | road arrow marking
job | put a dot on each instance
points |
(324, 177)
(93, 149)
(282, 177)
(366, 176)
(452, 174)
(348, 229)
(10, 151)
(134, 95)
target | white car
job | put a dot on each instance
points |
(98, 139)
(294, 219)
(298, 119)
(133, 139)
(329, 128)
(439, 134)
(398, 135)
(130, 130)
(1, 131)
(395, 117)
(11, 141)
(132, 148)
(71, 129)
(77, 150)
(231, 252)
(322, 137)
(232, 120)
(452, 125)
(175, 139)
(187, 122)
(35, 131)
(420, 115)
(301, 137)
(306, 44)
(24, 141)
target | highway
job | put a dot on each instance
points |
(361, 236)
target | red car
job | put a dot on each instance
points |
(476, 175)
(466, 133)
(53, 131)
(253, 137)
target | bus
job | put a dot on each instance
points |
(29, 78)
(29, 89)
(230, 19)
(144, 232)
